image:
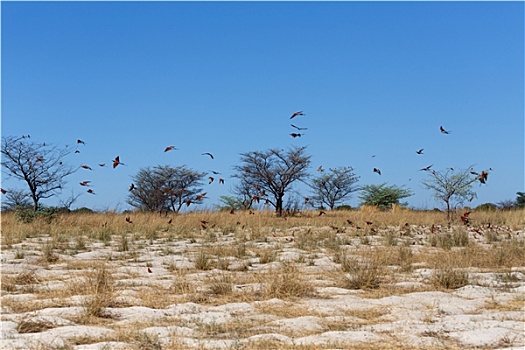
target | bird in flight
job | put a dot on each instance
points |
(427, 168)
(132, 187)
(169, 148)
(294, 135)
(376, 170)
(200, 196)
(420, 151)
(215, 172)
(208, 154)
(116, 162)
(221, 181)
(210, 179)
(483, 177)
(295, 114)
(320, 168)
(102, 164)
(90, 191)
(86, 167)
(40, 159)
(298, 128)
(443, 131)
(79, 141)
(3, 191)
(85, 183)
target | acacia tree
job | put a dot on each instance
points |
(334, 186)
(166, 188)
(383, 196)
(15, 198)
(41, 166)
(246, 193)
(451, 187)
(272, 172)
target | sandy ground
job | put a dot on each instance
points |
(36, 313)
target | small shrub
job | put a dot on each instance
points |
(449, 278)
(100, 292)
(286, 283)
(202, 261)
(362, 275)
(221, 284)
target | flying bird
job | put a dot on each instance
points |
(294, 135)
(427, 168)
(102, 164)
(3, 191)
(215, 172)
(221, 181)
(296, 114)
(298, 128)
(443, 131)
(77, 151)
(90, 191)
(483, 177)
(128, 220)
(320, 168)
(132, 187)
(420, 151)
(149, 270)
(200, 196)
(85, 183)
(210, 179)
(209, 154)
(79, 141)
(86, 167)
(40, 159)
(376, 170)
(116, 162)
(169, 148)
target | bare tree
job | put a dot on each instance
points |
(166, 188)
(334, 186)
(451, 187)
(272, 172)
(247, 193)
(41, 166)
(16, 198)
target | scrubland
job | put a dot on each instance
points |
(348, 279)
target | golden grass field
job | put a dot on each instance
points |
(98, 267)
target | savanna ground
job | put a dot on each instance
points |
(250, 280)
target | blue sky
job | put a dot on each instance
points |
(373, 78)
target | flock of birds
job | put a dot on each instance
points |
(482, 177)
(116, 162)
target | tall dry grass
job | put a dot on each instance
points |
(261, 223)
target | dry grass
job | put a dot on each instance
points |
(227, 257)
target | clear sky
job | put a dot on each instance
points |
(373, 78)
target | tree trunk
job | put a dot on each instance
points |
(279, 205)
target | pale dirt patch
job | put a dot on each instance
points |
(287, 290)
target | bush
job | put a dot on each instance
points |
(487, 207)
(28, 215)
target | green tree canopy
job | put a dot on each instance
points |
(383, 196)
